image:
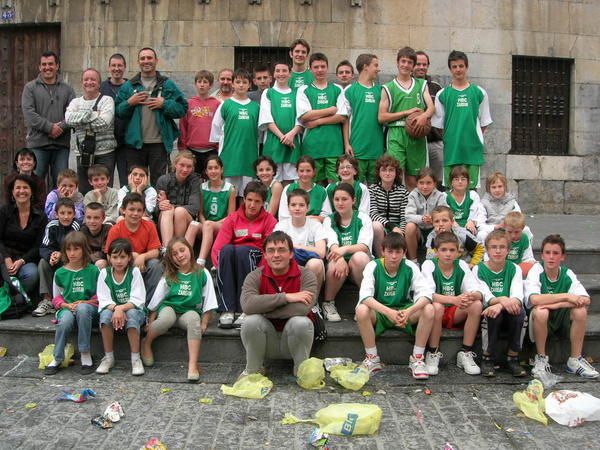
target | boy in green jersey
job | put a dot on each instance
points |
(456, 300)
(278, 117)
(236, 124)
(501, 282)
(559, 305)
(321, 108)
(385, 302)
(520, 251)
(462, 110)
(363, 134)
(401, 97)
(301, 76)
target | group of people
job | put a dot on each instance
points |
(299, 185)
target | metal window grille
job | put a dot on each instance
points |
(250, 57)
(540, 105)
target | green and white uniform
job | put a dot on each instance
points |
(362, 198)
(299, 79)
(520, 250)
(191, 292)
(411, 153)
(469, 209)
(460, 281)
(506, 283)
(130, 290)
(358, 231)
(318, 206)
(236, 122)
(393, 291)
(75, 285)
(215, 204)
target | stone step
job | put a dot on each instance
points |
(30, 335)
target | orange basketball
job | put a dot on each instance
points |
(413, 130)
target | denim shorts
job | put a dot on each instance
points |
(135, 318)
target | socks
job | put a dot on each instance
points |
(432, 349)
(109, 355)
(53, 363)
(371, 351)
(467, 348)
(201, 261)
(135, 357)
(418, 351)
(86, 359)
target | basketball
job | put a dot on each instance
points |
(414, 131)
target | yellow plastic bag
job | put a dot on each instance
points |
(531, 401)
(350, 376)
(46, 356)
(251, 386)
(343, 419)
(311, 374)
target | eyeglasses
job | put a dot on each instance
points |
(277, 251)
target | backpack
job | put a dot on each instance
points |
(14, 302)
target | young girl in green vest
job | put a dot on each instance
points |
(218, 201)
(349, 240)
(75, 301)
(319, 206)
(185, 296)
(121, 298)
(347, 170)
(464, 203)
(266, 170)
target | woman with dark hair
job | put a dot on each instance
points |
(25, 163)
(21, 230)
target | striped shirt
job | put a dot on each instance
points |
(388, 207)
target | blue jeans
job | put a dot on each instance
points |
(84, 315)
(29, 278)
(135, 318)
(56, 158)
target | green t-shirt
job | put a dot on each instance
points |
(347, 235)
(119, 292)
(499, 283)
(462, 142)
(215, 204)
(393, 292)
(77, 284)
(517, 249)
(185, 294)
(401, 99)
(366, 133)
(299, 79)
(240, 137)
(357, 192)
(451, 285)
(560, 286)
(283, 111)
(324, 141)
(461, 211)
(317, 194)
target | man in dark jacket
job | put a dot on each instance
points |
(150, 102)
(276, 298)
(44, 102)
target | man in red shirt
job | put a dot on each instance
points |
(237, 250)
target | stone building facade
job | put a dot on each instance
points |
(193, 34)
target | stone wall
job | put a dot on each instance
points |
(189, 36)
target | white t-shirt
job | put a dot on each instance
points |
(307, 236)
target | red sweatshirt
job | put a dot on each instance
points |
(238, 230)
(194, 127)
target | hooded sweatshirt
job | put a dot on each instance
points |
(418, 206)
(496, 209)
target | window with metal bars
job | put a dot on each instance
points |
(250, 57)
(540, 105)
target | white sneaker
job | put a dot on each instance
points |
(372, 364)
(418, 368)
(432, 362)
(581, 367)
(43, 308)
(239, 321)
(541, 365)
(137, 367)
(105, 365)
(466, 362)
(330, 312)
(226, 320)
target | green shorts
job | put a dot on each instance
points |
(559, 322)
(326, 169)
(472, 170)
(410, 153)
(366, 170)
(382, 323)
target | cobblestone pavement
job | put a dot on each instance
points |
(466, 412)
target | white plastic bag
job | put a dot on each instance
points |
(572, 408)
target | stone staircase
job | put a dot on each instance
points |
(29, 335)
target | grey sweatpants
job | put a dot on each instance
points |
(189, 321)
(261, 340)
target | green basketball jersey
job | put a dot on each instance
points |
(119, 292)
(560, 286)
(77, 284)
(324, 141)
(347, 235)
(185, 294)
(462, 141)
(451, 285)
(240, 137)
(299, 79)
(357, 192)
(366, 133)
(215, 204)
(517, 249)
(317, 194)
(461, 211)
(283, 111)
(402, 100)
(499, 283)
(393, 292)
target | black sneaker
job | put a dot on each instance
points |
(513, 367)
(86, 370)
(487, 367)
(51, 370)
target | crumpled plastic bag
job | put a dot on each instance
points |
(251, 386)
(531, 401)
(343, 419)
(46, 356)
(572, 408)
(311, 374)
(154, 444)
(77, 397)
(350, 376)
